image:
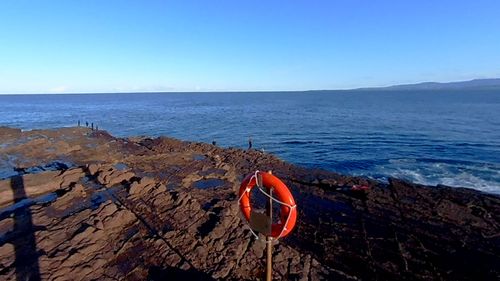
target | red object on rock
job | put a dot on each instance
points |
(360, 187)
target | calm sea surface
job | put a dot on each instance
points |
(428, 137)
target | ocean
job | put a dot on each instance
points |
(428, 137)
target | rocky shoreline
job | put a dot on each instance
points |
(77, 204)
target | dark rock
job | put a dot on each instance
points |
(121, 222)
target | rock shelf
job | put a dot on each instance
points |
(77, 204)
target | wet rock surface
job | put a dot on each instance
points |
(77, 204)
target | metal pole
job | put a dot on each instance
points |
(269, 239)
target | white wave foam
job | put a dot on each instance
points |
(481, 177)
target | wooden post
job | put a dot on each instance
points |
(269, 239)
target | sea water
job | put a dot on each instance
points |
(428, 137)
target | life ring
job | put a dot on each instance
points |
(281, 194)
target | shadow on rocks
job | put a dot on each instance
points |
(172, 273)
(27, 267)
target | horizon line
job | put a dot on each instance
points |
(240, 91)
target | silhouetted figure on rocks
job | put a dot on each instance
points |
(214, 143)
(249, 143)
(86, 124)
(78, 123)
(92, 126)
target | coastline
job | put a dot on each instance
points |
(412, 140)
(169, 207)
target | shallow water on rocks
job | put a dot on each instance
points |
(7, 211)
(209, 183)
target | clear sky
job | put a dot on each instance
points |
(110, 46)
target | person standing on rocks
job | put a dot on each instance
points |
(249, 143)
(78, 123)
(86, 124)
(92, 126)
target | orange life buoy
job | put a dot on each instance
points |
(288, 215)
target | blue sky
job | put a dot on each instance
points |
(120, 46)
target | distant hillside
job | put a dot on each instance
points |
(481, 84)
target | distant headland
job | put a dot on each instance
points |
(475, 84)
